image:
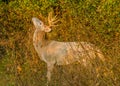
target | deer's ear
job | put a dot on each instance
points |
(47, 29)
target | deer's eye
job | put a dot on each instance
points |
(39, 23)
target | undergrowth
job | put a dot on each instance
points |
(95, 21)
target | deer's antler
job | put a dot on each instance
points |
(52, 20)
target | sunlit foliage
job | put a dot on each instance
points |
(95, 21)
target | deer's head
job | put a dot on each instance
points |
(39, 25)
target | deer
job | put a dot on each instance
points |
(60, 53)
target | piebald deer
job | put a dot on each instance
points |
(60, 53)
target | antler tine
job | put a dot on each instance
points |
(52, 20)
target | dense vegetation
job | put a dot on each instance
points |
(95, 21)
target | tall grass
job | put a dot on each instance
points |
(93, 21)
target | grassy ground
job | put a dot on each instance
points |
(96, 22)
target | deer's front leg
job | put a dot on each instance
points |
(49, 71)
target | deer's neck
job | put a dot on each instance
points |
(38, 39)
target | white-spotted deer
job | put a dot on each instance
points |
(60, 53)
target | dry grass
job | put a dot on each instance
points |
(21, 66)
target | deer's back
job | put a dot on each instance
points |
(66, 52)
